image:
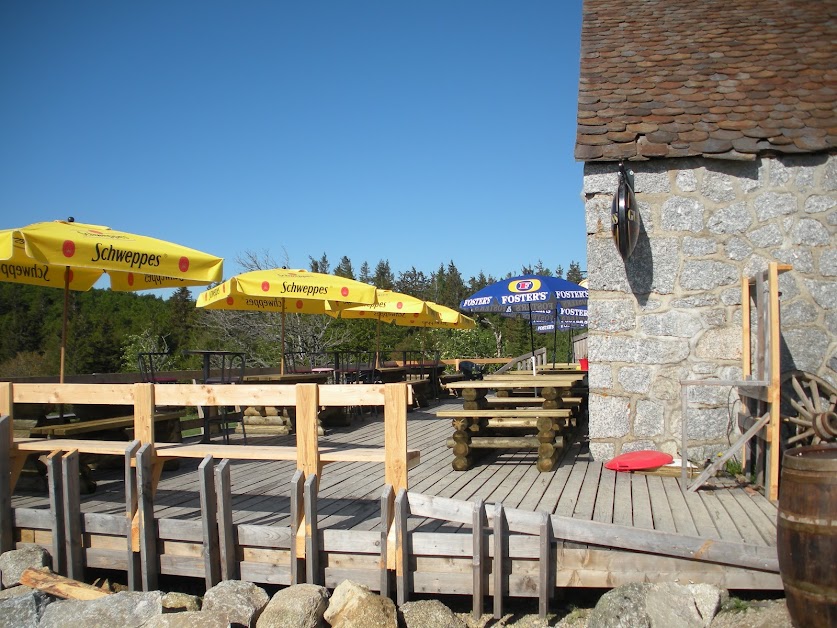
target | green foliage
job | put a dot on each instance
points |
(106, 330)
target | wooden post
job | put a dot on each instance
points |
(72, 515)
(478, 531)
(134, 569)
(545, 584)
(395, 435)
(312, 544)
(226, 529)
(387, 517)
(500, 548)
(6, 438)
(56, 509)
(147, 524)
(307, 407)
(209, 519)
(402, 550)
(144, 404)
(774, 391)
(297, 525)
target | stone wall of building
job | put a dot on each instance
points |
(672, 312)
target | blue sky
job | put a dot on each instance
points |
(413, 132)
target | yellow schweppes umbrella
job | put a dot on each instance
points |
(438, 317)
(283, 290)
(73, 255)
(390, 307)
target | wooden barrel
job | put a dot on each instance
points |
(806, 534)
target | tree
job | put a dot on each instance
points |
(344, 268)
(365, 275)
(319, 265)
(574, 273)
(383, 278)
(415, 283)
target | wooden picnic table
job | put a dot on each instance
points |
(515, 417)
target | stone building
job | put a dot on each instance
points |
(725, 114)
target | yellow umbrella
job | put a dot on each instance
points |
(390, 307)
(74, 255)
(439, 317)
(283, 290)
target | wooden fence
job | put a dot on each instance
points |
(515, 553)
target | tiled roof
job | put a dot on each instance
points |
(721, 78)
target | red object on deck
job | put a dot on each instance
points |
(634, 460)
(582, 362)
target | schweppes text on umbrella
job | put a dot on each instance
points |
(307, 290)
(33, 271)
(134, 259)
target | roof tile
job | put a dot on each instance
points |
(715, 78)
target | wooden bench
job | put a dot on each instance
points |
(99, 425)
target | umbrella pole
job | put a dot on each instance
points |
(532, 337)
(555, 339)
(282, 341)
(377, 340)
(64, 323)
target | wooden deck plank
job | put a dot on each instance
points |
(623, 509)
(748, 530)
(660, 509)
(720, 517)
(683, 521)
(604, 506)
(569, 496)
(701, 517)
(641, 500)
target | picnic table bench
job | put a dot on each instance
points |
(64, 430)
(508, 419)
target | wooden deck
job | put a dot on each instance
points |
(349, 493)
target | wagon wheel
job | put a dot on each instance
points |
(808, 409)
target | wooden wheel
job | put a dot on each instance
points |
(809, 409)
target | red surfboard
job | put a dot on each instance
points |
(635, 460)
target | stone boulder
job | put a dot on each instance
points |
(298, 606)
(126, 610)
(353, 605)
(14, 562)
(644, 605)
(241, 601)
(189, 619)
(429, 614)
(174, 602)
(23, 609)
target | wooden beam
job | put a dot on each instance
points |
(297, 525)
(226, 529)
(134, 569)
(147, 525)
(312, 546)
(545, 587)
(402, 550)
(774, 390)
(6, 481)
(209, 521)
(72, 515)
(395, 436)
(387, 518)
(307, 407)
(66, 588)
(500, 550)
(56, 511)
(478, 538)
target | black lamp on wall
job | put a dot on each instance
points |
(624, 216)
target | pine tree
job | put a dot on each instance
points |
(344, 268)
(574, 273)
(383, 278)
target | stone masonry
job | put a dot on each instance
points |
(672, 311)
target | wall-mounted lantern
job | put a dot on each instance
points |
(624, 216)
